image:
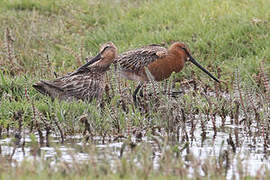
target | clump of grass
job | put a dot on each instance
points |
(41, 6)
(42, 39)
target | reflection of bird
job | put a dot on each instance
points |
(159, 61)
(86, 83)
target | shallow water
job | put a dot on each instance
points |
(250, 154)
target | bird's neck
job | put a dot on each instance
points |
(163, 67)
(176, 59)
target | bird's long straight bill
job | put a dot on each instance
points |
(204, 70)
(92, 61)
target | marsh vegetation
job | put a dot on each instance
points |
(208, 131)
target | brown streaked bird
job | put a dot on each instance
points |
(161, 62)
(86, 83)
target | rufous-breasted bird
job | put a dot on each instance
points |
(161, 62)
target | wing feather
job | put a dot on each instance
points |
(136, 59)
(85, 84)
(85, 88)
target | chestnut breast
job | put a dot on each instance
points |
(162, 68)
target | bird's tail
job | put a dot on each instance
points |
(41, 87)
(48, 88)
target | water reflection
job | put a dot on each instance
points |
(250, 151)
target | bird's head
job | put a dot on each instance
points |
(184, 50)
(105, 57)
(108, 52)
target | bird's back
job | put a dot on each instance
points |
(86, 84)
(135, 60)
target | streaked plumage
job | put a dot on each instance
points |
(86, 83)
(137, 59)
(161, 62)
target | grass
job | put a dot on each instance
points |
(40, 38)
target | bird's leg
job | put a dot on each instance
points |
(141, 92)
(55, 74)
(136, 92)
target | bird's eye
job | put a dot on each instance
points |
(183, 48)
(186, 51)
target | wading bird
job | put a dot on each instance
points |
(86, 83)
(159, 61)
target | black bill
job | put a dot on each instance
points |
(92, 61)
(199, 66)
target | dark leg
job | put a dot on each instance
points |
(141, 92)
(135, 93)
